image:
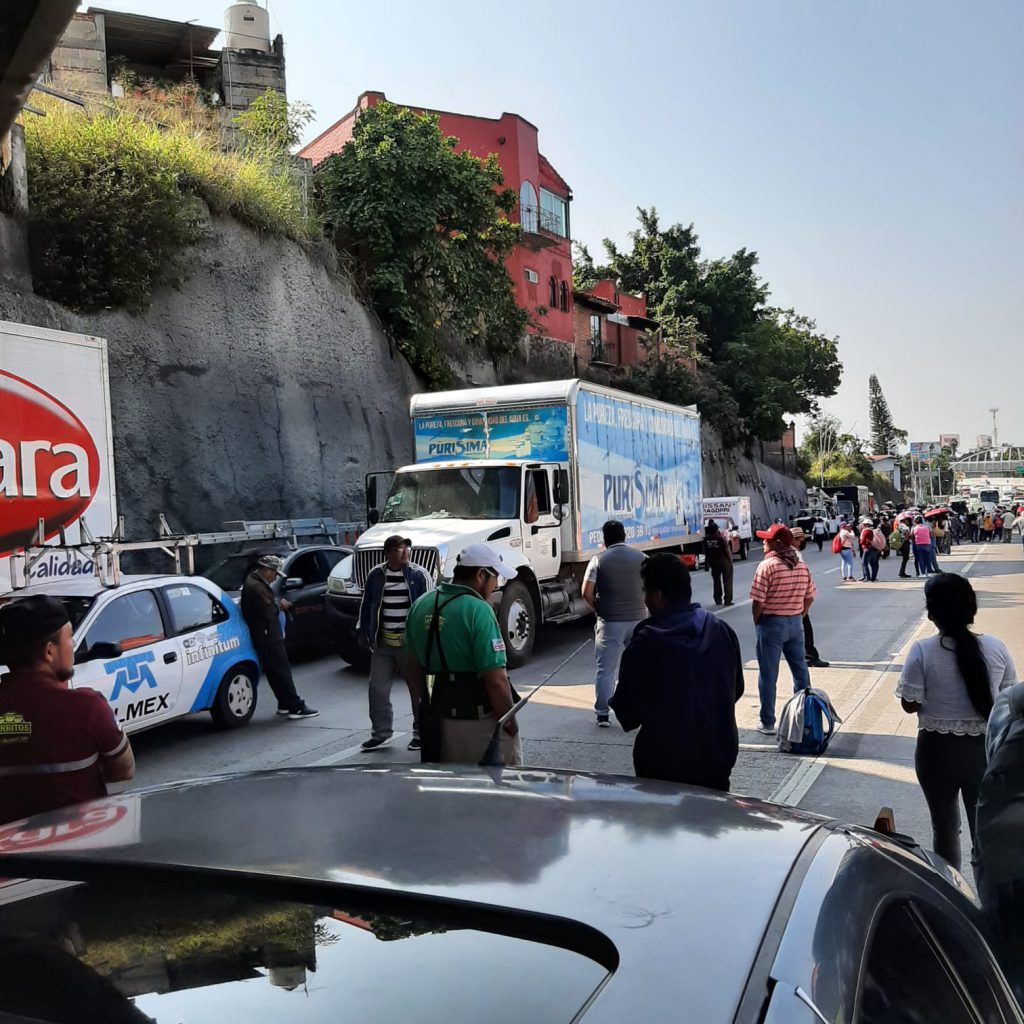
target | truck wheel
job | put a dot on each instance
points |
(517, 620)
(348, 647)
(235, 702)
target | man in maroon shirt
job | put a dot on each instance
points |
(58, 746)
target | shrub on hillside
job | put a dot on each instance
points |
(112, 197)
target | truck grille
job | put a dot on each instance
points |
(366, 558)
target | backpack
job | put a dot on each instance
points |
(819, 725)
(878, 540)
(1000, 818)
(896, 540)
(837, 544)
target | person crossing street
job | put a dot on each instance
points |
(718, 556)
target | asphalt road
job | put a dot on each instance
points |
(862, 629)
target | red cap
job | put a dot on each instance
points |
(777, 532)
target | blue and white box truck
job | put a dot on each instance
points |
(536, 470)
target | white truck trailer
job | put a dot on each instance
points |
(56, 446)
(536, 470)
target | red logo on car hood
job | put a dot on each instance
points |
(49, 465)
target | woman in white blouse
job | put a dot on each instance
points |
(950, 682)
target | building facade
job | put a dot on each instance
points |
(541, 266)
(611, 329)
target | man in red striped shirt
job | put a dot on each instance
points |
(781, 594)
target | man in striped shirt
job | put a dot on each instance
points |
(391, 588)
(781, 594)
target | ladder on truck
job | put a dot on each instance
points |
(105, 552)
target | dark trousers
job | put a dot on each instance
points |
(905, 554)
(278, 670)
(809, 649)
(949, 767)
(721, 580)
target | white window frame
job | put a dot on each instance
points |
(554, 213)
(529, 207)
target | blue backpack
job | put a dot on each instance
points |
(819, 725)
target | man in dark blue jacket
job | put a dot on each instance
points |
(391, 590)
(679, 681)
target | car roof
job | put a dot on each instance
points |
(90, 586)
(659, 869)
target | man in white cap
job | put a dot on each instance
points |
(453, 636)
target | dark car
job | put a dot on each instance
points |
(441, 893)
(307, 568)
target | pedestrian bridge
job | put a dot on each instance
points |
(986, 463)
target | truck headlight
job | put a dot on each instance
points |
(336, 585)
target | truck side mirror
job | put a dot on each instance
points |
(561, 486)
(373, 516)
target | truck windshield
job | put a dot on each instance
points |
(472, 492)
(992, 496)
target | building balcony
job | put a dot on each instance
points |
(541, 229)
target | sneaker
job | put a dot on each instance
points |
(376, 742)
(602, 722)
(283, 711)
(766, 730)
(817, 663)
(304, 712)
(414, 743)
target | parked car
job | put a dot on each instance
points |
(308, 567)
(159, 647)
(499, 895)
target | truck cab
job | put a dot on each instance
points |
(442, 507)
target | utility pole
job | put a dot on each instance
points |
(995, 428)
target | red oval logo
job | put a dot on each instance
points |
(49, 465)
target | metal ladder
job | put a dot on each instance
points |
(105, 552)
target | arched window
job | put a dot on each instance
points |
(528, 207)
(552, 292)
(563, 297)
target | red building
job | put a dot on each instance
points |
(612, 328)
(541, 267)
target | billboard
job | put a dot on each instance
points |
(983, 441)
(529, 435)
(949, 440)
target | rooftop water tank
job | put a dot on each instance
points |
(247, 27)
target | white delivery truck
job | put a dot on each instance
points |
(56, 446)
(536, 470)
(733, 517)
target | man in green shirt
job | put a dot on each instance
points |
(454, 637)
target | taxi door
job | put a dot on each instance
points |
(143, 684)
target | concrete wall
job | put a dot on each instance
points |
(15, 266)
(79, 61)
(260, 389)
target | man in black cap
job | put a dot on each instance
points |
(261, 612)
(58, 746)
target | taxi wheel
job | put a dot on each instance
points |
(518, 621)
(235, 702)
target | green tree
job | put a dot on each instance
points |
(885, 436)
(771, 362)
(427, 231)
(272, 126)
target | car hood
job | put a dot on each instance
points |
(650, 868)
(437, 533)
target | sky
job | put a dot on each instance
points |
(870, 152)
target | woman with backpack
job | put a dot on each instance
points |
(868, 555)
(950, 682)
(843, 546)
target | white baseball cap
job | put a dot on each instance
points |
(485, 556)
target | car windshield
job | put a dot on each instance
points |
(149, 952)
(472, 492)
(229, 574)
(77, 608)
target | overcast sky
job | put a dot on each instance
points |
(870, 152)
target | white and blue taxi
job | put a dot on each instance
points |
(160, 647)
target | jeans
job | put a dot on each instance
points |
(865, 563)
(779, 636)
(905, 554)
(922, 559)
(871, 563)
(610, 639)
(278, 670)
(847, 556)
(949, 767)
(385, 662)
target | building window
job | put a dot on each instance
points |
(563, 297)
(528, 207)
(595, 327)
(552, 292)
(531, 275)
(553, 216)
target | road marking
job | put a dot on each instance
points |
(343, 755)
(728, 608)
(970, 565)
(795, 787)
(828, 572)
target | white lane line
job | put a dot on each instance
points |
(971, 564)
(795, 788)
(729, 608)
(344, 755)
(828, 572)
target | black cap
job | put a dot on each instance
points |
(396, 541)
(28, 620)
